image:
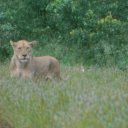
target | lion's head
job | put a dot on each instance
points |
(22, 50)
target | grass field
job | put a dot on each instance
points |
(95, 98)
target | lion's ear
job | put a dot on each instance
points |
(13, 44)
(32, 43)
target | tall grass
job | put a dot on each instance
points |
(95, 98)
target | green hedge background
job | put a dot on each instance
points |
(75, 31)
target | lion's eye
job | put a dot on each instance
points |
(19, 48)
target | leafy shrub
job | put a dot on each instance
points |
(95, 32)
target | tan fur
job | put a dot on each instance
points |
(24, 65)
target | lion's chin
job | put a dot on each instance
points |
(24, 60)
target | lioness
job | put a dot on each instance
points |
(24, 65)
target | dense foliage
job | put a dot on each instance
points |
(89, 31)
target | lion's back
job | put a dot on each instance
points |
(46, 64)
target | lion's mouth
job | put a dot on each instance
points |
(24, 59)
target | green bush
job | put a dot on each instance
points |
(91, 32)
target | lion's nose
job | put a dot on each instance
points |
(24, 55)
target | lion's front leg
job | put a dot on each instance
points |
(27, 74)
(16, 73)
